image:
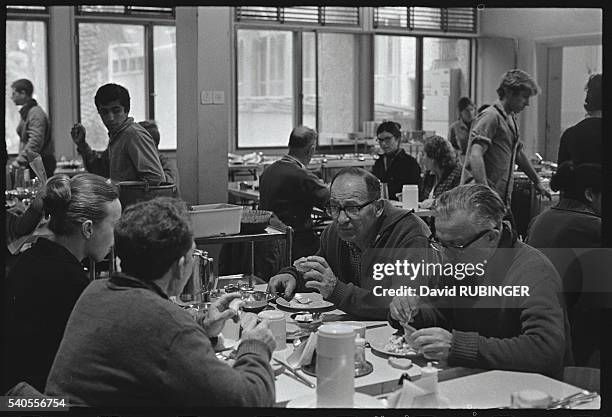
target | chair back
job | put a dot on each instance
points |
(23, 389)
(131, 192)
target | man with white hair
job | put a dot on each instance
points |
(522, 329)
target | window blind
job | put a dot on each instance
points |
(312, 15)
(454, 19)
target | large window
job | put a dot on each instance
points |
(265, 88)
(118, 53)
(395, 87)
(26, 57)
(446, 69)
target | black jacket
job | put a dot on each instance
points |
(42, 289)
(403, 169)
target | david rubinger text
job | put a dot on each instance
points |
(457, 291)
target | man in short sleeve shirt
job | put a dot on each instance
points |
(494, 145)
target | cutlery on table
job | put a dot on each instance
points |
(294, 372)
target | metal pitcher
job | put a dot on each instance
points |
(202, 280)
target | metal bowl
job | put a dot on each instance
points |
(309, 325)
(255, 301)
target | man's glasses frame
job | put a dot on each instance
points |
(438, 245)
(351, 211)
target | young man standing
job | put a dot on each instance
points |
(33, 129)
(131, 154)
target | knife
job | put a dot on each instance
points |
(294, 372)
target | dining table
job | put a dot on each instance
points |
(460, 387)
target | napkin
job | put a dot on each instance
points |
(302, 355)
(405, 396)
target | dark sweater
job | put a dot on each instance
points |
(582, 143)
(528, 334)
(399, 232)
(126, 343)
(42, 289)
(401, 169)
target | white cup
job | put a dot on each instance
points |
(277, 325)
(410, 197)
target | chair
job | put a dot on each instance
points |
(582, 377)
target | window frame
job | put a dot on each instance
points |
(148, 22)
(33, 16)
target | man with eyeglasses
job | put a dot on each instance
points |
(362, 224)
(131, 154)
(513, 331)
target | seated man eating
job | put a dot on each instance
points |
(127, 344)
(362, 222)
(509, 315)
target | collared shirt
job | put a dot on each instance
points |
(498, 130)
(291, 158)
(458, 135)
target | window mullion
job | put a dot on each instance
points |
(419, 81)
(298, 89)
(149, 69)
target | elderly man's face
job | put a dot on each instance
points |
(357, 225)
(462, 240)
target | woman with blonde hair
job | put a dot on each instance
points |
(48, 278)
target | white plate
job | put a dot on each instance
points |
(380, 347)
(359, 401)
(317, 302)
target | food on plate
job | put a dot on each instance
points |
(307, 317)
(398, 346)
(400, 363)
(302, 299)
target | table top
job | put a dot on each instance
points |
(461, 387)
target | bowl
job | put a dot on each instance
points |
(307, 321)
(254, 221)
(255, 301)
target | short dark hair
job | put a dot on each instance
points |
(573, 180)
(151, 236)
(23, 85)
(517, 81)
(593, 98)
(71, 201)
(463, 103)
(440, 150)
(392, 127)
(111, 92)
(373, 185)
(302, 137)
(151, 127)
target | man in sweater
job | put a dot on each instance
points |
(131, 154)
(127, 344)
(365, 229)
(34, 129)
(523, 329)
(290, 190)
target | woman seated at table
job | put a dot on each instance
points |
(575, 222)
(126, 344)
(395, 167)
(47, 279)
(443, 173)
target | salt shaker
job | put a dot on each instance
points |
(335, 366)
(360, 359)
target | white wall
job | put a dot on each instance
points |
(532, 28)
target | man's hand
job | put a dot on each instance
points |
(218, 313)
(78, 134)
(320, 276)
(540, 189)
(262, 333)
(280, 282)
(404, 308)
(434, 342)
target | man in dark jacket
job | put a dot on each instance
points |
(363, 226)
(476, 327)
(290, 190)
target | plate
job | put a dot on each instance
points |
(366, 369)
(359, 401)
(380, 348)
(317, 302)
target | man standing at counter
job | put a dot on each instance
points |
(362, 223)
(290, 190)
(494, 146)
(131, 154)
(515, 332)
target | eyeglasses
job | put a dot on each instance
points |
(438, 245)
(350, 211)
(387, 139)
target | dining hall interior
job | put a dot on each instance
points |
(315, 157)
